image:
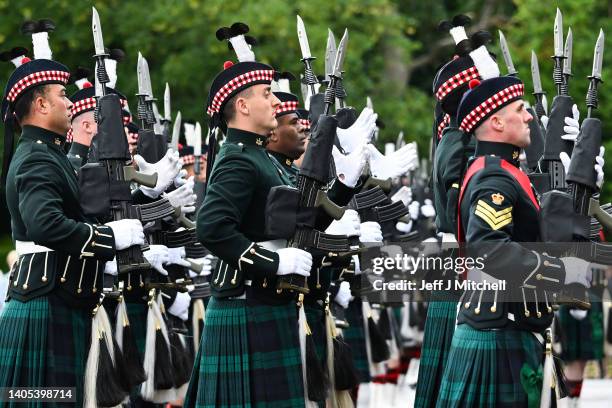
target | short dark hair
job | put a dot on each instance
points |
(23, 106)
(229, 110)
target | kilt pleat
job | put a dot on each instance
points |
(43, 343)
(439, 329)
(276, 362)
(220, 376)
(582, 339)
(484, 368)
(354, 335)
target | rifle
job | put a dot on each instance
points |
(107, 181)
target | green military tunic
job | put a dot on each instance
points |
(493, 354)
(78, 155)
(249, 353)
(285, 164)
(57, 279)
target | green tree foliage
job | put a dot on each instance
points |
(393, 51)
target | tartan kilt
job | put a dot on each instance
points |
(439, 329)
(582, 339)
(354, 335)
(44, 343)
(484, 368)
(249, 356)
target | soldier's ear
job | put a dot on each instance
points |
(497, 123)
(242, 106)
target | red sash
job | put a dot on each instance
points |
(478, 165)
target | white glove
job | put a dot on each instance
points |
(371, 232)
(398, 163)
(167, 169)
(414, 209)
(544, 121)
(599, 165)
(157, 256)
(183, 197)
(206, 266)
(428, 209)
(343, 297)
(572, 125)
(404, 227)
(565, 161)
(404, 194)
(350, 167)
(180, 306)
(127, 232)
(348, 225)
(361, 132)
(578, 314)
(357, 264)
(111, 267)
(577, 271)
(293, 260)
(180, 179)
(176, 256)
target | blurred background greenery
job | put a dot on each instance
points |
(393, 51)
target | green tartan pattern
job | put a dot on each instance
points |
(582, 339)
(249, 356)
(354, 335)
(220, 376)
(439, 329)
(44, 343)
(484, 368)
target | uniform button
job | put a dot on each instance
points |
(233, 281)
(79, 290)
(62, 279)
(493, 309)
(94, 290)
(546, 263)
(240, 144)
(527, 313)
(252, 251)
(539, 314)
(39, 141)
(539, 276)
(44, 279)
(467, 305)
(477, 311)
(25, 286)
(93, 244)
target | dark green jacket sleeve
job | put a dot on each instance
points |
(40, 183)
(489, 233)
(228, 197)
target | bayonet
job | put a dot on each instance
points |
(595, 77)
(567, 53)
(340, 54)
(167, 111)
(330, 54)
(369, 103)
(101, 75)
(307, 58)
(147, 80)
(303, 39)
(537, 84)
(558, 34)
(142, 89)
(96, 29)
(506, 54)
(567, 63)
(336, 75)
(558, 56)
(176, 131)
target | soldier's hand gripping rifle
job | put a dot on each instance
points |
(151, 146)
(108, 180)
